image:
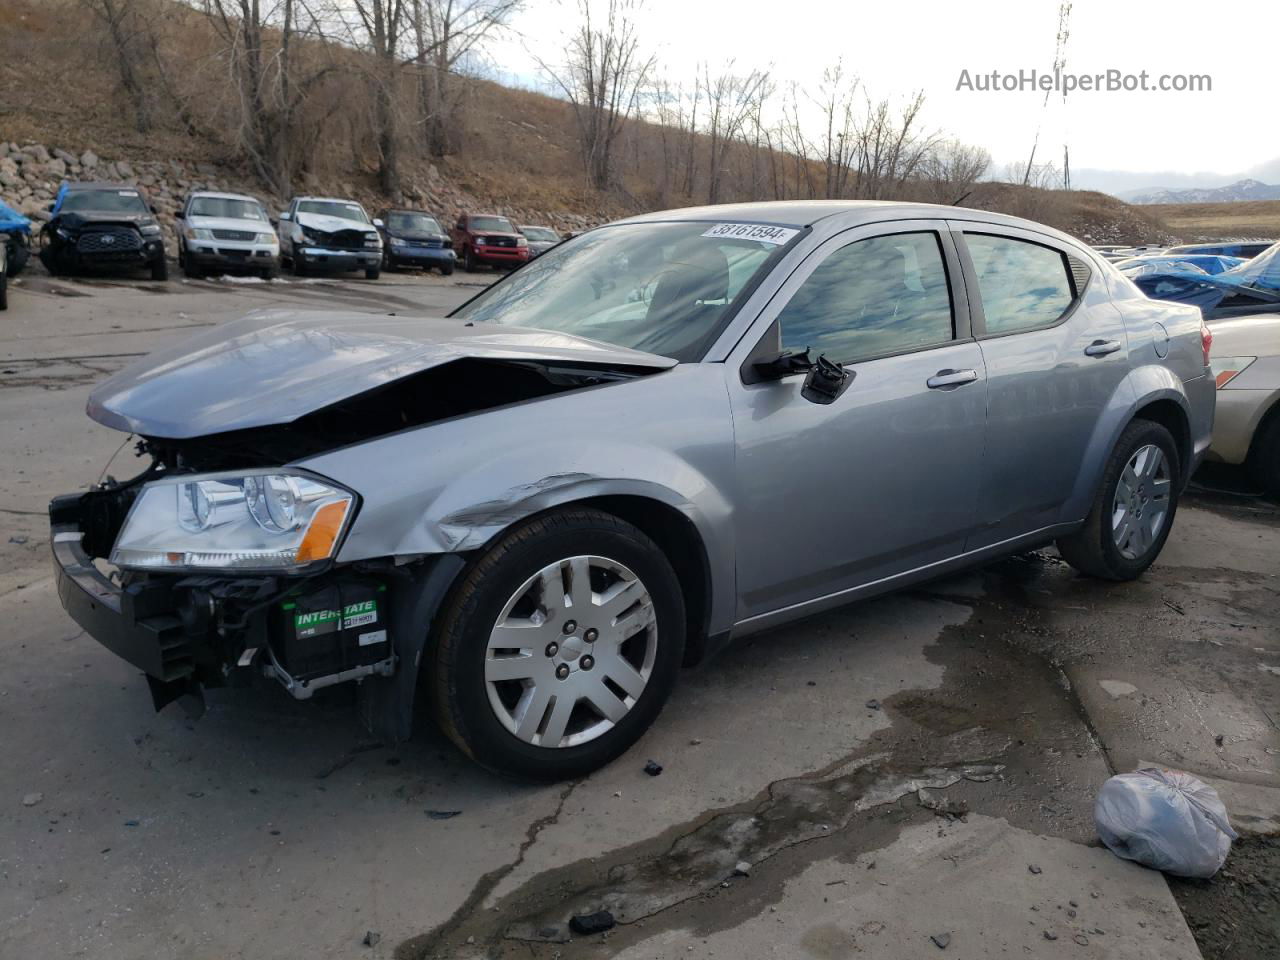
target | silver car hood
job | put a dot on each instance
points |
(275, 366)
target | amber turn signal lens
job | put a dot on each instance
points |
(322, 533)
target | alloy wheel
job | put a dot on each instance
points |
(572, 652)
(1141, 502)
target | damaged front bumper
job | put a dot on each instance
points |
(186, 633)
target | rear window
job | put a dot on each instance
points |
(1023, 285)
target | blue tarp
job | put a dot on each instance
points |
(1258, 278)
(11, 221)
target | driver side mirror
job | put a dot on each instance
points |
(825, 380)
(286, 216)
(377, 222)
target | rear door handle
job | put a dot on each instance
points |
(951, 378)
(1100, 348)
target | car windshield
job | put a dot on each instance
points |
(334, 208)
(103, 201)
(413, 223)
(659, 287)
(230, 208)
(496, 224)
(540, 233)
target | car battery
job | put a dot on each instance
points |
(331, 629)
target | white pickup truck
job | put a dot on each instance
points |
(330, 235)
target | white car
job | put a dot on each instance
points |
(1245, 359)
(226, 232)
(330, 235)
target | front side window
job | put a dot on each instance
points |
(873, 297)
(1023, 285)
(334, 208)
(660, 287)
(230, 208)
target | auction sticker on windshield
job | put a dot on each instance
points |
(752, 231)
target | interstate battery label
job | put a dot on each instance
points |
(314, 623)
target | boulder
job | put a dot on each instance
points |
(88, 160)
(123, 170)
(57, 167)
(67, 158)
(38, 152)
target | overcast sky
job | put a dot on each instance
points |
(897, 47)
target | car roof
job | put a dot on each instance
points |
(330, 199)
(809, 212)
(220, 195)
(409, 210)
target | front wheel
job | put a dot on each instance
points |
(560, 646)
(1134, 509)
(446, 270)
(469, 261)
(373, 273)
(1264, 458)
(160, 269)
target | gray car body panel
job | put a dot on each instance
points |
(798, 506)
(272, 367)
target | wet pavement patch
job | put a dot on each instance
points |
(967, 745)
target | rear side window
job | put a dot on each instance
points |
(1023, 285)
(873, 297)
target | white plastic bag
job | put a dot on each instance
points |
(1164, 819)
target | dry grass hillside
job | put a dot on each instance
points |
(1220, 221)
(517, 150)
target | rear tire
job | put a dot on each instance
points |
(1134, 509)
(1264, 458)
(4, 291)
(484, 716)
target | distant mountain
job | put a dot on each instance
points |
(1238, 192)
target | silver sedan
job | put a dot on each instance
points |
(662, 434)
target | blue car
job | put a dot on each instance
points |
(411, 238)
(1211, 264)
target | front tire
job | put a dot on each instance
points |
(469, 261)
(373, 273)
(160, 269)
(1134, 509)
(446, 270)
(534, 685)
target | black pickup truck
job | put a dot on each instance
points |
(102, 226)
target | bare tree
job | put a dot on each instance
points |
(258, 44)
(601, 78)
(126, 32)
(952, 169)
(383, 22)
(445, 33)
(889, 148)
(836, 99)
(731, 100)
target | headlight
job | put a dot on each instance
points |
(310, 235)
(274, 522)
(371, 240)
(199, 233)
(265, 238)
(396, 241)
(522, 241)
(1225, 369)
(480, 240)
(150, 229)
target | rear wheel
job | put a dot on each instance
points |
(560, 646)
(4, 291)
(1264, 458)
(1134, 509)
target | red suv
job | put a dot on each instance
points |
(488, 238)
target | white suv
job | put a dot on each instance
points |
(324, 233)
(226, 232)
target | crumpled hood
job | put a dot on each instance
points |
(275, 366)
(321, 221)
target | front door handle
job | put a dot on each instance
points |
(951, 378)
(1100, 348)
